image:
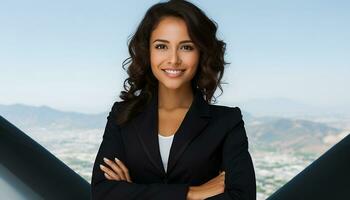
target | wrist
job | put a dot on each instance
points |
(191, 193)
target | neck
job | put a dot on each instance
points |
(170, 99)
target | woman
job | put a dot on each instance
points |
(165, 140)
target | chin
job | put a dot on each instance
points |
(172, 86)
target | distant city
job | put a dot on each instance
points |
(282, 143)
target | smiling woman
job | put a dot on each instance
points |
(166, 140)
(173, 56)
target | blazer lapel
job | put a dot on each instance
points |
(147, 132)
(146, 126)
(195, 120)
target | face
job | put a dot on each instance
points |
(173, 55)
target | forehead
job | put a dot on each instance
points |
(171, 29)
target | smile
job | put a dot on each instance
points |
(173, 73)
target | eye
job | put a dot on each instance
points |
(188, 47)
(160, 46)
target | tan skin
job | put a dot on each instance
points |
(171, 47)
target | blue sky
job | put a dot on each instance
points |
(68, 54)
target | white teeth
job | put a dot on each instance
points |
(173, 71)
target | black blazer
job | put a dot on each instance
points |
(210, 138)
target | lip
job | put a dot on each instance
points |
(173, 69)
(173, 75)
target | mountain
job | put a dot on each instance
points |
(291, 134)
(284, 107)
(287, 134)
(44, 116)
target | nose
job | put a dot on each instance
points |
(174, 58)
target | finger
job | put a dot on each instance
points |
(110, 172)
(115, 168)
(211, 182)
(218, 185)
(215, 181)
(222, 174)
(124, 168)
(108, 177)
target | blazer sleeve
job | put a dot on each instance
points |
(104, 189)
(240, 183)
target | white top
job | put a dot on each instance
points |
(164, 147)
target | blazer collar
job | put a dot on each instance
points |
(146, 126)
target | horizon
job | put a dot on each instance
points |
(255, 107)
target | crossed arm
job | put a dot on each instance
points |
(117, 171)
(236, 182)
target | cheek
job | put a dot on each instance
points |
(156, 58)
(191, 61)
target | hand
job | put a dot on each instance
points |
(117, 170)
(211, 188)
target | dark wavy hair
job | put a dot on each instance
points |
(141, 85)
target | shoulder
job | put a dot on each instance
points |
(115, 111)
(232, 115)
(116, 107)
(231, 119)
(221, 110)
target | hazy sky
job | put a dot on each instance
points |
(68, 54)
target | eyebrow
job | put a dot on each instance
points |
(166, 41)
